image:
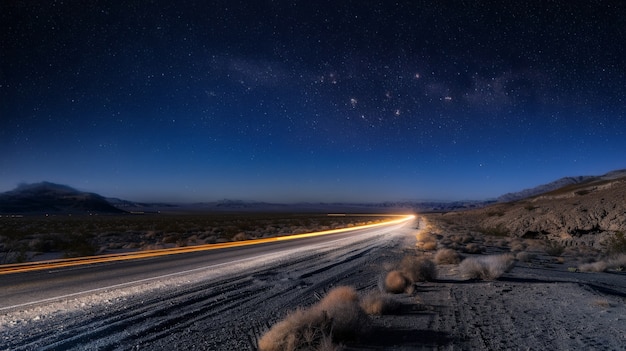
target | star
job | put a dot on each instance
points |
(353, 102)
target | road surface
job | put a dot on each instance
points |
(154, 302)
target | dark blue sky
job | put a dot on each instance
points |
(291, 101)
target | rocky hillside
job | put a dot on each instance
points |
(557, 184)
(585, 212)
(544, 188)
(48, 197)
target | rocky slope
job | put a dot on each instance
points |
(557, 184)
(580, 213)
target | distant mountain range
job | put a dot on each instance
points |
(559, 183)
(46, 197)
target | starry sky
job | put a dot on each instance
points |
(291, 101)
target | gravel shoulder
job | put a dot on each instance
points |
(539, 304)
(542, 303)
(550, 311)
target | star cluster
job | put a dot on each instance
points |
(310, 101)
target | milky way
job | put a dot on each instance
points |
(310, 101)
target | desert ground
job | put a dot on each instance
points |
(541, 301)
(530, 297)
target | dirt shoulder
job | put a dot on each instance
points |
(513, 313)
(540, 304)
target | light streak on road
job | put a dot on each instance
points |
(79, 261)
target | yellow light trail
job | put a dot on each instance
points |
(79, 261)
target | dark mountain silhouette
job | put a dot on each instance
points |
(48, 197)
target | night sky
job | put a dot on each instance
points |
(289, 101)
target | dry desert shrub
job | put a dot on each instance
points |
(418, 269)
(553, 248)
(486, 267)
(340, 294)
(617, 262)
(502, 243)
(427, 245)
(445, 242)
(517, 246)
(462, 239)
(499, 231)
(534, 244)
(473, 248)
(423, 235)
(240, 236)
(604, 303)
(466, 238)
(599, 266)
(378, 304)
(396, 282)
(447, 256)
(338, 316)
(426, 241)
(524, 256)
(300, 330)
(347, 317)
(616, 244)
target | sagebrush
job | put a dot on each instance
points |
(337, 317)
(487, 267)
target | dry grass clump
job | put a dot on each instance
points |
(300, 330)
(423, 235)
(342, 305)
(379, 304)
(604, 303)
(447, 256)
(502, 242)
(396, 282)
(617, 262)
(418, 269)
(462, 239)
(446, 242)
(426, 241)
(524, 256)
(456, 242)
(486, 267)
(616, 244)
(240, 236)
(517, 246)
(338, 316)
(534, 244)
(553, 248)
(411, 270)
(473, 248)
(427, 245)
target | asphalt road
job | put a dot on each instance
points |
(21, 289)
